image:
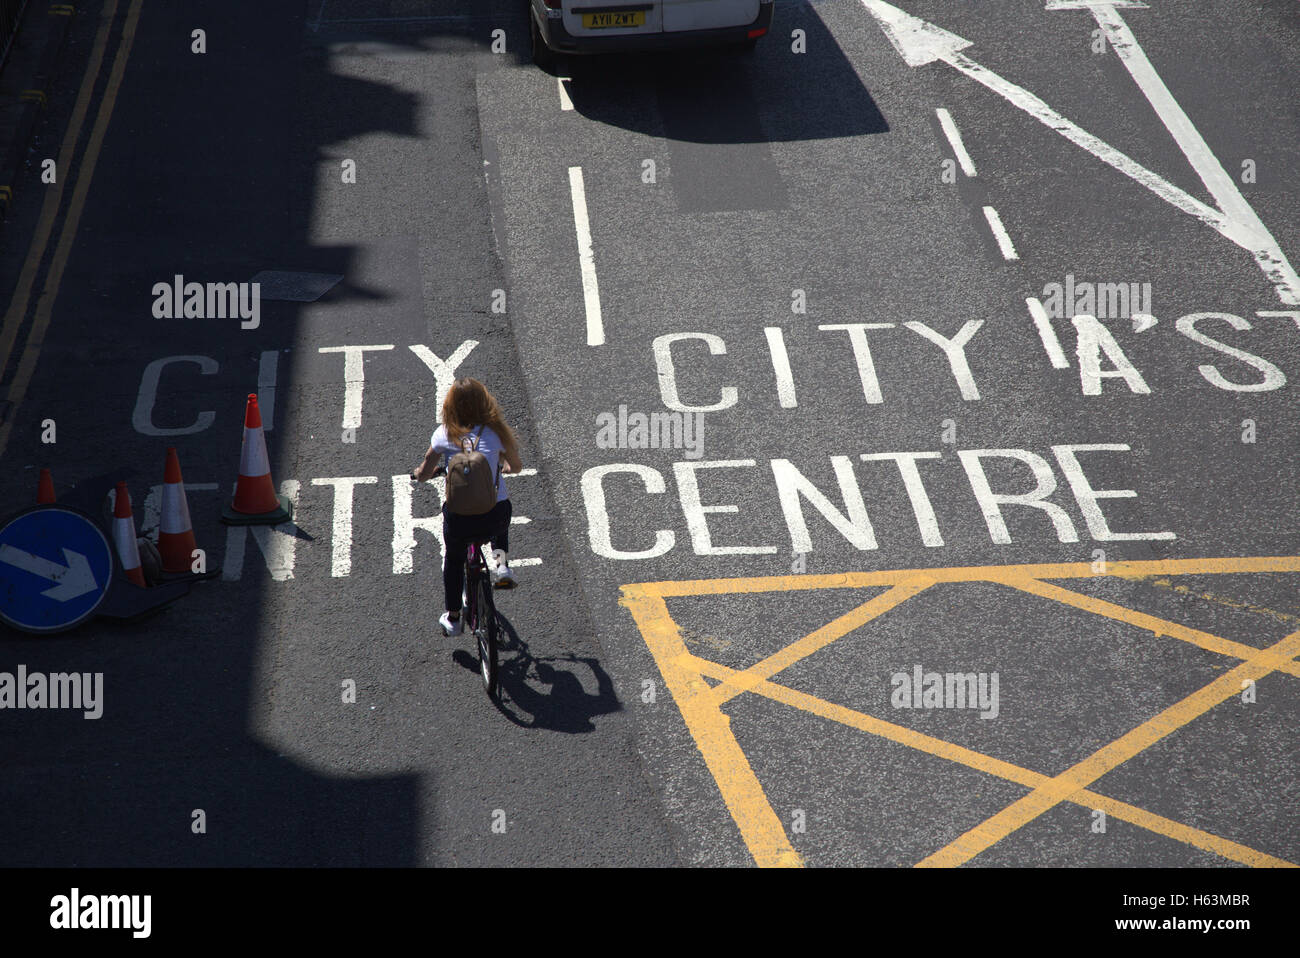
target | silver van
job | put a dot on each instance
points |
(605, 26)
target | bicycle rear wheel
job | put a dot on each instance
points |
(485, 632)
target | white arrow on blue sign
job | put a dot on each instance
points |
(56, 566)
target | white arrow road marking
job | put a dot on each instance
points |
(73, 580)
(1266, 251)
(920, 43)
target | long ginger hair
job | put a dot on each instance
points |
(469, 405)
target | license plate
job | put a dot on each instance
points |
(600, 21)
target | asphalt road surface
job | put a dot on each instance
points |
(968, 337)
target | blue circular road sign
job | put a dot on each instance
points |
(56, 566)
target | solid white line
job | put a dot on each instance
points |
(586, 259)
(781, 366)
(565, 102)
(523, 472)
(954, 140)
(1047, 334)
(1000, 233)
(1221, 186)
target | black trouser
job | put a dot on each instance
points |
(457, 531)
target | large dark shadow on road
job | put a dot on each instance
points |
(214, 174)
(770, 94)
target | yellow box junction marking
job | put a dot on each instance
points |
(762, 830)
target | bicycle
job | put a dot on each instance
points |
(479, 613)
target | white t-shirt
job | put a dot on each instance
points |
(489, 443)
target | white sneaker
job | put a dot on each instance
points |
(451, 626)
(503, 578)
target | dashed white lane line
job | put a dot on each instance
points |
(586, 259)
(954, 140)
(1047, 334)
(1000, 234)
(566, 103)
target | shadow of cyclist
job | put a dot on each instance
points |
(565, 707)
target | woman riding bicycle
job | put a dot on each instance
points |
(471, 418)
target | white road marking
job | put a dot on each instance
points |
(920, 43)
(566, 103)
(954, 140)
(1047, 334)
(1093, 340)
(341, 538)
(444, 371)
(862, 355)
(1142, 322)
(277, 543)
(1000, 234)
(955, 350)
(1221, 186)
(781, 366)
(354, 379)
(586, 259)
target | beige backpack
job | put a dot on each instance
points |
(471, 487)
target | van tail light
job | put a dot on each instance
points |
(754, 34)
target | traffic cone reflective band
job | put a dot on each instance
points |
(45, 488)
(124, 535)
(256, 501)
(175, 533)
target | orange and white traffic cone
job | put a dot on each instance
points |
(175, 533)
(256, 501)
(45, 489)
(128, 550)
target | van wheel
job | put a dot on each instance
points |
(543, 55)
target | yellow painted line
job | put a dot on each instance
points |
(762, 831)
(54, 194)
(856, 618)
(1233, 851)
(759, 825)
(1223, 847)
(1069, 782)
(1204, 640)
(1065, 570)
(33, 96)
(1231, 603)
(45, 304)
